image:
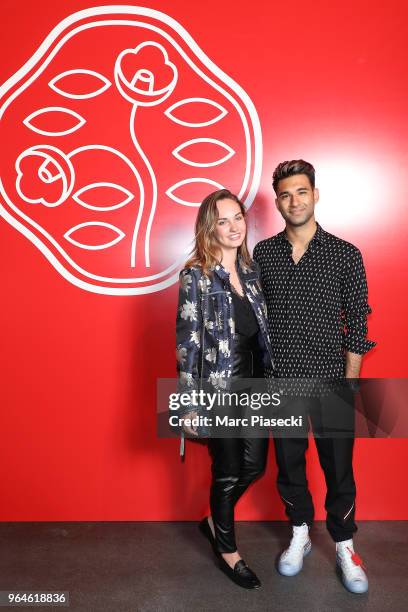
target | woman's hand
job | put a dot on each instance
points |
(190, 429)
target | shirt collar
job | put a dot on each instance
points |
(319, 236)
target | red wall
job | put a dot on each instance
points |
(328, 81)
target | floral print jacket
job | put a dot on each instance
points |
(205, 325)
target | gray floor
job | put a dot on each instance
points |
(148, 567)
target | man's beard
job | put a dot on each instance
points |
(298, 222)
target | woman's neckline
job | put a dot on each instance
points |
(235, 292)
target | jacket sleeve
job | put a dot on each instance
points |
(355, 307)
(188, 334)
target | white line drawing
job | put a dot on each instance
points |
(200, 64)
(142, 97)
(218, 143)
(130, 91)
(198, 52)
(170, 191)
(94, 247)
(54, 109)
(172, 269)
(105, 84)
(92, 186)
(53, 157)
(139, 181)
(154, 190)
(169, 112)
(163, 18)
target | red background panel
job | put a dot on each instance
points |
(79, 369)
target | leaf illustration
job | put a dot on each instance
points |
(105, 191)
(56, 115)
(81, 80)
(196, 107)
(94, 225)
(196, 143)
(203, 182)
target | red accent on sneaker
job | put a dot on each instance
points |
(357, 560)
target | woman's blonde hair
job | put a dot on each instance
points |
(206, 251)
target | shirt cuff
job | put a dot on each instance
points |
(359, 346)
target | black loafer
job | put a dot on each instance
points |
(241, 574)
(205, 529)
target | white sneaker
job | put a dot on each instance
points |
(353, 575)
(291, 560)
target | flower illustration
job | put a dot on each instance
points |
(204, 283)
(185, 282)
(211, 355)
(45, 175)
(186, 379)
(208, 324)
(195, 337)
(224, 348)
(189, 311)
(145, 75)
(218, 319)
(217, 379)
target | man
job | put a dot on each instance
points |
(316, 294)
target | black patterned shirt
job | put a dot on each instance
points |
(317, 308)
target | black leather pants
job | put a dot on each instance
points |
(236, 462)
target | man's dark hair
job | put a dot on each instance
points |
(290, 168)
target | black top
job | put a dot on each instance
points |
(317, 308)
(244, 316)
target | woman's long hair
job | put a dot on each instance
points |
(207, 252)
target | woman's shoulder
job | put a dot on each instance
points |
(195, 278)
(192, 270)
(192, 276)
(249, 267)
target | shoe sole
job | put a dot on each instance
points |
(306, 551)
(346, 585)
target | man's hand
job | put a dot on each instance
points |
(353, 365)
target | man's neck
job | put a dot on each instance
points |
(302, 235)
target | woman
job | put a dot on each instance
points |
(222, 337)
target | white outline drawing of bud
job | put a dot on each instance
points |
(149, 95)
(56, 166)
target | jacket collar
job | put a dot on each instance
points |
(245, 271)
